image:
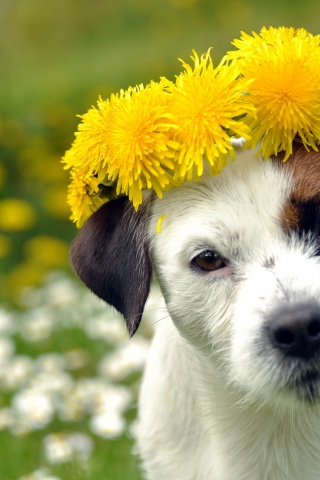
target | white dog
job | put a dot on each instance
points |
(232, 387)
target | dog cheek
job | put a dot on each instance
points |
(201, 310)
(250, 354)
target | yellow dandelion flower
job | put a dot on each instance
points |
(90, 148)
(285, 89)
(139, 140)
(249, 46)
(84, 195)
(154, 137)
(16, 215)
(206, 103)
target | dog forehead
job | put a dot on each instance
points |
(246, 197)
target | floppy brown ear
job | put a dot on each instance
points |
(111, 257)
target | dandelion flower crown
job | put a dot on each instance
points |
(154, 137)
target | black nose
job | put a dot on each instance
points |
(296, 332)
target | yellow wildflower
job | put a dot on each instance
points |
(16, 215)
(285, 89)
(126, 139)
(205, 103)
(153, 137)
(139, 140)
(84, 195)
(90, 148)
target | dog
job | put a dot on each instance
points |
(231, 390)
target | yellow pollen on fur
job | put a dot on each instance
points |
(159, 223)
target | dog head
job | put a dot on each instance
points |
(237, 262)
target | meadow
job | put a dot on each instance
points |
(69, 375)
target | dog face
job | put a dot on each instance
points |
(237, 262)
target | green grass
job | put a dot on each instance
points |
(111, 460)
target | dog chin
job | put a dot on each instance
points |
(286, 384)
(289, 396)
(306, 387)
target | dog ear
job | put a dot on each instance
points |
(111, 257)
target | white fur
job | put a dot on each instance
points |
(214, 401)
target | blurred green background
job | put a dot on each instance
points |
(57, 56)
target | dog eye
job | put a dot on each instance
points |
(209, 261)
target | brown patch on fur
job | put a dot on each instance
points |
(290, 217)
(304, 167)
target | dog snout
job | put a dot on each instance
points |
(296, 332)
